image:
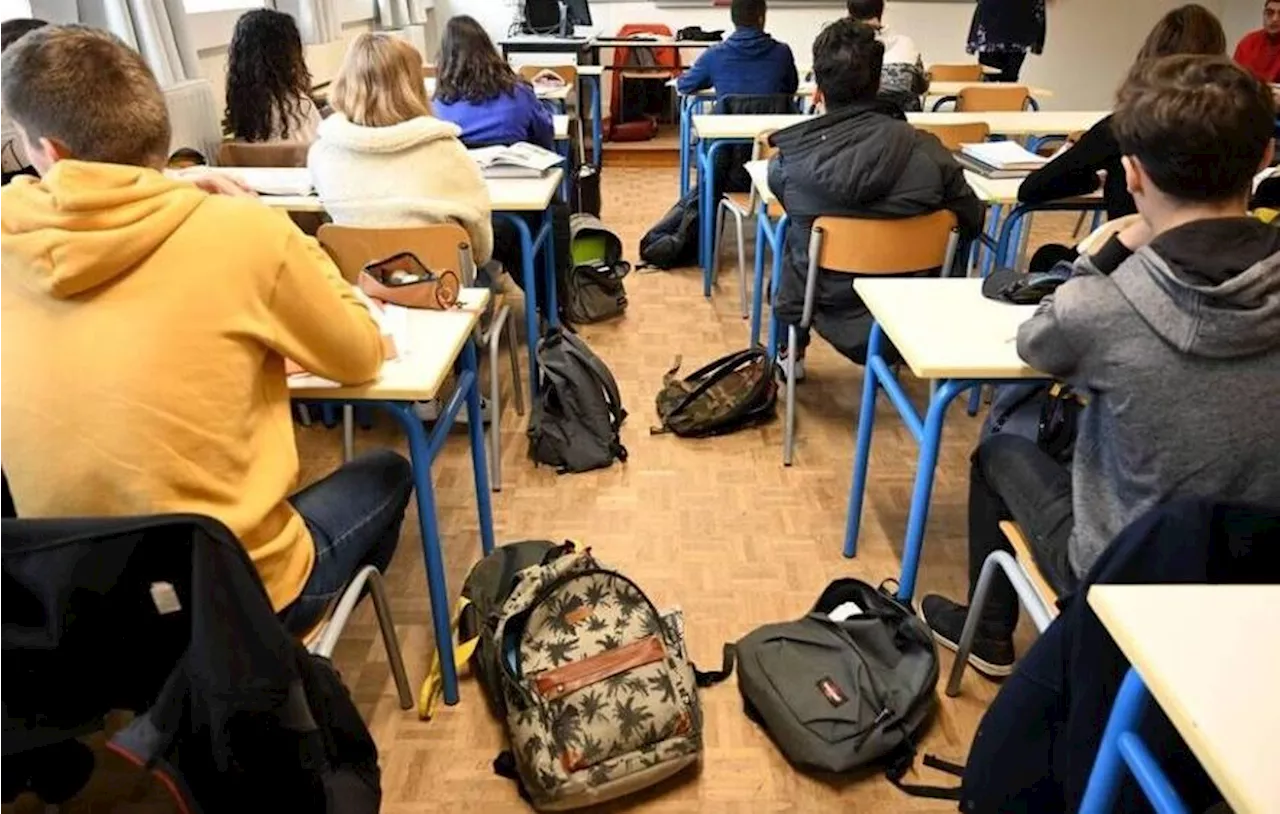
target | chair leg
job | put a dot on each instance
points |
(742, 264)
(390, 640)
(1075, 233)
(513, 351)
(303, 413)
(789, 368)
(717, 242)
(495, 421)
(348, 432)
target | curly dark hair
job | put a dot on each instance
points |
(470, 68)
(265, 72)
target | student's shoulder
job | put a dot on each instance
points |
(244, 220)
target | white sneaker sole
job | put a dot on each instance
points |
(985, 667)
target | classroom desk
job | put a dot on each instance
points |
(947, 331)
(1195, 648)
(954, 88)
(1002, 192)
(430, 346)
(510, 199)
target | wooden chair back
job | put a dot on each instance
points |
(763, 149)
(569, 73)
(902, 246)
(440, 247)
(956, 73)
(1022, 551)
(953, 135)
(992, 98)
(428, 72)
(268, 154)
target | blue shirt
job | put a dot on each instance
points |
(748, 62)
(503, 119)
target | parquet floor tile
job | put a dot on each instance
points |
(716, 526)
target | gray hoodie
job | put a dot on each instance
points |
(1178, 354)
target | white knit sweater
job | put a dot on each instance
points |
(409, 174)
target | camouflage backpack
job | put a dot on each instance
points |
(734, 391)
(601, 698)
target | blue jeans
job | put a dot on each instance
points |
(354, 517)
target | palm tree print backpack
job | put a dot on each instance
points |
(601, 699)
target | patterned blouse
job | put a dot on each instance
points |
(1007, 25)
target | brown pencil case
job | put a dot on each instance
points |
(402, 279)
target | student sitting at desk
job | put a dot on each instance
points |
(146, 325)
(748, 63)
(268, 84)
(382, 159)
(477, 90)
(902, 78)
(861, 159)
(1094, 160)
(1171, 333)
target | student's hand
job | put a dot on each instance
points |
(1136, 235)
(213, 182)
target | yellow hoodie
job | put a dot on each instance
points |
(145, 325)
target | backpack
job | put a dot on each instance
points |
(673, 240)
(591, 289)
(851, 683)
(734, 391)
(576, 419)
(601, 697)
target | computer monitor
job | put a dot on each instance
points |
(576, 12)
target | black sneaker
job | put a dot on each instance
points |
(991, 657)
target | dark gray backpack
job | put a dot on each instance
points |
(850, 684)
(578, 414)
(591, 289)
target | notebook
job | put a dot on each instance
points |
(275, 180)
(520, 160)
(1000, 159)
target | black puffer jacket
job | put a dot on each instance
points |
(863, 161)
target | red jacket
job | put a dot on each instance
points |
(1261, 55)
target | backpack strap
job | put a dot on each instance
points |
(712, 677)
(574, 347)
(899, 765)
(433, 684)
(719, 370)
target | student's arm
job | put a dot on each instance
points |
(957, 195)
(542, 128)
(792, 80)
(698, 77)
(1052, 340)
(317, 320)
(1075, 171)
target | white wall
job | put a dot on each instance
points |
(1239, 17)
(1091, 43)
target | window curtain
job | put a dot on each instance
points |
(317, 19)
(157, 29)
(400, 13)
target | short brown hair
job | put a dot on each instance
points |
(1189, 29)
(380, 82)
(89, 91)
(1200, 125)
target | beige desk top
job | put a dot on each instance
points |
(1199, 651)
(591, 70)
(1027, 123)
(946, 329)
(954, 88)
(428, 346)
(505, 194)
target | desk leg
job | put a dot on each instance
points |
(437, 588)
(993, 229)
(918, 514)
(779, 249)
(551, 310)
(479, 461)
(686, 125)
(1108, 767)
(862, 450)
(597, 127)
(565, 149)
(527, 275)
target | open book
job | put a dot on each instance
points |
(520, 160)
(1000, 159)
(275, 180)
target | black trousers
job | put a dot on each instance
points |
(1013, 479)
(506, 248)
(1009, 63)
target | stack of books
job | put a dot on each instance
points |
(999, 159)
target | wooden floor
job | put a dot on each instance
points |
(718, 527)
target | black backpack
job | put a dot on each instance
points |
(578, 414)
(735, 391)
(673, 240)
(850, 684)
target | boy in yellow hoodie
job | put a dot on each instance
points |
(145, 327)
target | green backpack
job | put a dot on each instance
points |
(591, 289)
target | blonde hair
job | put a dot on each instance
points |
(380, 82)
